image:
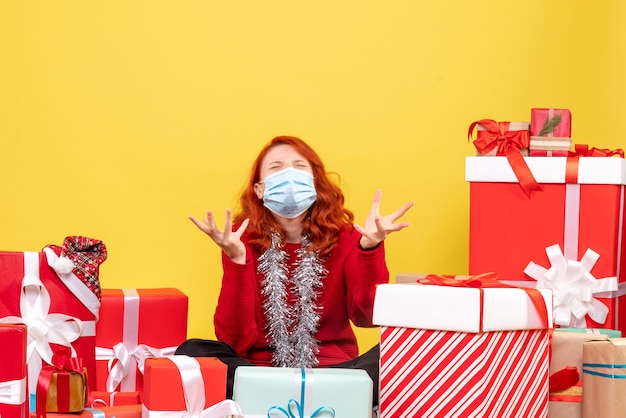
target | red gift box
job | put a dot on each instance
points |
(59, 306)
(99, 399)
(580, 209)
(169, 383)
(550, 132)
(13, 391)
(136, 324)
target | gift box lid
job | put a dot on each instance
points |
(458, 309)
(591, 170)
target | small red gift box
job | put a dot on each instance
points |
(136, 324)
(565, 237)
(168, 380)
(13, 391)
(550, 132)
(55, 292)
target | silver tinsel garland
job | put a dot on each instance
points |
(291, 329)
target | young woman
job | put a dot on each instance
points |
(297, 270)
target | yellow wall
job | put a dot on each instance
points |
(118, 119)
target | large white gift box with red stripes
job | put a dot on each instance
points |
(459, 350)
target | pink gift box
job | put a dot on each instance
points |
(550, 132)
(13, 392)
(137, 324)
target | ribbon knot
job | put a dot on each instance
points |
(62, 360)
(573, 287)
(292, 405)
(583, 150)
(122, 360)
(506, 143)
(299, 406)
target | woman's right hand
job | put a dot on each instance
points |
(229, 241)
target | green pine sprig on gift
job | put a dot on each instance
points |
(550, 125)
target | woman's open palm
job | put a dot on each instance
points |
(377, 227)
(228, 240)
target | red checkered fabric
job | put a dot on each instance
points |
(87, 254)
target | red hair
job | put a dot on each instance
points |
(327, 216)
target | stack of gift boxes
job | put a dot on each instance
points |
(69, 348)
(533, 330)
(547, 216)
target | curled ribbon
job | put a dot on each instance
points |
(583, 150)
(292, 404)
(573, 287)
(489, 280)
(44, 328)
(121, 361)
(508, 143)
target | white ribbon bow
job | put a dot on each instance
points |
(193, 389)
(44, 328)
(122, 361)
(573, 287)
(13, 392)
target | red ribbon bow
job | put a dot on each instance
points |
(62, 360)
(563, 379)
(583, 150)
(488, 280)
(63, 364)
(509, 144)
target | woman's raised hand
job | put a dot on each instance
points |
(228, 240)
(378, 227)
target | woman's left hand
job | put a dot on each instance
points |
(378, 227)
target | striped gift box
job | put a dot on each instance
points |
(426, 373)
(442, 354)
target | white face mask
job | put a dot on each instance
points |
(289, 193)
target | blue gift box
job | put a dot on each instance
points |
(303, 393)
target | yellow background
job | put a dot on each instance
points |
(118, 119)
